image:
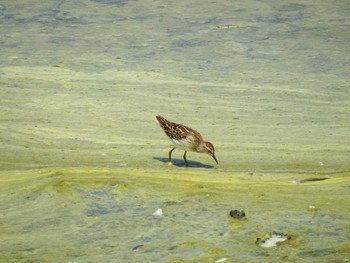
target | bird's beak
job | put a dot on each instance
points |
(215, 158)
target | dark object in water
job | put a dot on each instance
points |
(310, 180)
(236, 214)
(137, 248)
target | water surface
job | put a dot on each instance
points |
(83, 163)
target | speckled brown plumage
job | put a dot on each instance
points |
(185, 138)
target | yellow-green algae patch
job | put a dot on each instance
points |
(99, 214)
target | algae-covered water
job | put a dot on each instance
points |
(83, 164)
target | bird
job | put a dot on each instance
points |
(185, 138)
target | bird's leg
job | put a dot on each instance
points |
(185, 158)
(170, 153)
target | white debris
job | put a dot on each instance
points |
(312, 208)
(321, 163)
(273, 240)
(158, 212)
(221, 260)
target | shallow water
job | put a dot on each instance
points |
(83, 163)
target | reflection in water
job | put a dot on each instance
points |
(181, 163)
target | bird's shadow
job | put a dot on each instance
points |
(181, 163)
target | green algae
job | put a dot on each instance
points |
(108, 212)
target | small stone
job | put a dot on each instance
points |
(240, 215)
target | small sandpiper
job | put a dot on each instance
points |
(185, 138)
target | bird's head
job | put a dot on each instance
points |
(209, 148)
